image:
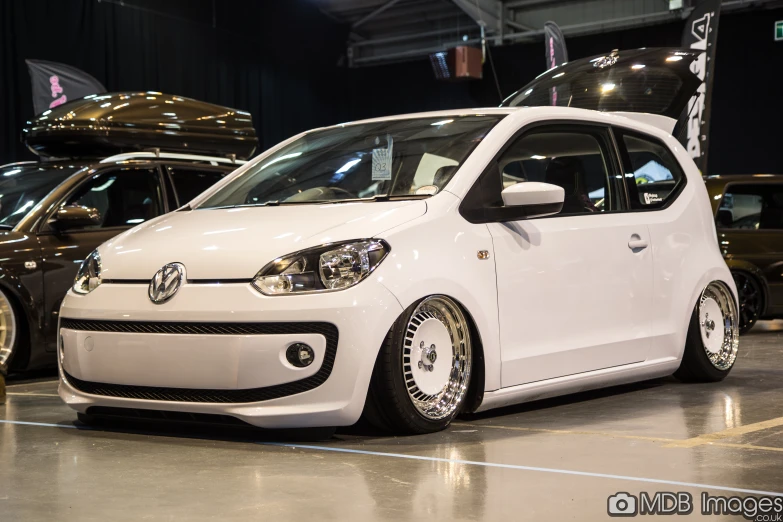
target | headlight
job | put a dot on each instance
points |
(322, 269)
(89, 275)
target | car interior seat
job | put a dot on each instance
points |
(567, 172)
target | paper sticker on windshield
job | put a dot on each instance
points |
(382, 161)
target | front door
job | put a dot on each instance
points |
(574, 289)
(124, 197)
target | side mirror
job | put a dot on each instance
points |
(71, 217)
(533, 199)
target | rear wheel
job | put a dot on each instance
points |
(423, 370)
(750, 298)
(8, 331)
(713, 337)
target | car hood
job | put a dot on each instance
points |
(235, 243)
(15, 246)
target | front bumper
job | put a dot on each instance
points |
(220, 349)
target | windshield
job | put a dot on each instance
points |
(22, 187)
(396, 158)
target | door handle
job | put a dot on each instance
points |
(637, 243)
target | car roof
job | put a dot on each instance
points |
(725, 179)
(632, 118)
(434, 114)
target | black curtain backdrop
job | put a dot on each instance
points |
(280, 60)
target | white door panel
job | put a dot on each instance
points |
(574, 294)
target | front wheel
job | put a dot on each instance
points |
(422, 373)
(713, 337)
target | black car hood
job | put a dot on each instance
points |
(15, 245)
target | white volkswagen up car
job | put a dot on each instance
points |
(414, 267)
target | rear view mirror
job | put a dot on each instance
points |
(71, 217)
(533, 199)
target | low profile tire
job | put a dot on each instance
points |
(423, 370)
(751, 300)
(713, 337)
(9, 332)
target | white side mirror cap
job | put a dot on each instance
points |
(543, 198)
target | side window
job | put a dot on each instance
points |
(189, 182)
(754, 206)
(578, 161)
(652, 174)
(124, 197)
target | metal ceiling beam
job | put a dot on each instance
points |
(486, 11)
(414, 36)
(375, 13)
(526, 4)
(517, 25)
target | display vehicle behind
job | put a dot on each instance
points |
(749, 218)
(55, 211)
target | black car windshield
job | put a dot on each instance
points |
(406, 158)
(22, 187)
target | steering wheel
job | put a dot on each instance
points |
(342, 190)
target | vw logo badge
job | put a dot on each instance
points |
(166, 282)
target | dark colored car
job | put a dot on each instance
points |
(53, 213)
(749, 220)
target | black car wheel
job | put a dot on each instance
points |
(751, 300)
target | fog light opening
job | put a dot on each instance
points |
(300, 355)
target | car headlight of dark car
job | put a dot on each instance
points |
(88, 278)
(322, 269)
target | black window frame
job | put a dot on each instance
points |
(626, 163)
(483, 202)
(726, 188)
(44, 228)
(166, 168)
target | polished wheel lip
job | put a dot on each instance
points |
(7, 330)
(750, 299)
(718, 296)
(446, 402)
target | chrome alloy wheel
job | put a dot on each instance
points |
(437, 357)
(718, 325)
(7, 330)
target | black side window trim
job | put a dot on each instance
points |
(726, 188)
(43, 226)
(205, 168)
(625, 158)
(483, 203)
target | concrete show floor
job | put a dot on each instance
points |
(557, 459)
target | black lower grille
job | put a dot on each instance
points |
(161, 415)
(157, 393)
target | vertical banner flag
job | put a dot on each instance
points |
(701, 34)
(556, 52)
(56, 83)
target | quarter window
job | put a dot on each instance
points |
(652, 174)
(577, 161)
(124, 198)
(757, 206)
(189, 183)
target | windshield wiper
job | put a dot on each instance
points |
(277, 202)
(379, 197)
